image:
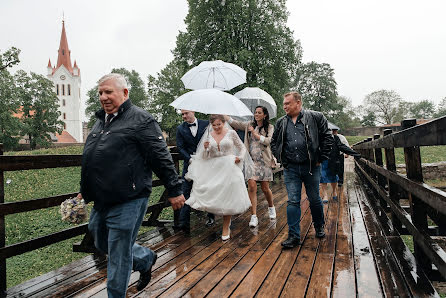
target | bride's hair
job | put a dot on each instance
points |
(214, 117)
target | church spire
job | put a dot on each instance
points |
(63, 57)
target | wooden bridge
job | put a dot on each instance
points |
(361, 255)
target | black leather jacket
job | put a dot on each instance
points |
(319, 139)
(117, 162)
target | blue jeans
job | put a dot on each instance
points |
(294, 175)
(114, 231)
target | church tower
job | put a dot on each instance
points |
(67, 84)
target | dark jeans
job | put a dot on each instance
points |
(185, 210)
(114, 231)
(294, 175)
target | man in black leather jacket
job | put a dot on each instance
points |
(123, 147)
(301, 141)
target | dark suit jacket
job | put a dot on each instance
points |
(187, 143)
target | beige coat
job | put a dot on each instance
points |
(264, 140)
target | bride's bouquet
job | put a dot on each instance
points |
(74, 210)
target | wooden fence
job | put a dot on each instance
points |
(29, 162)
(392, 188)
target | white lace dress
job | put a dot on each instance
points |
(219, 185)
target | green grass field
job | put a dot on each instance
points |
(33, 184)
(428, 154)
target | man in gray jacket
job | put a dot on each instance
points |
(301, 141)
(123, 147)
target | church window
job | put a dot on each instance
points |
(64, 125)
(63, 102)
(63, 89)
(57, 89)
(64, 116)
(69, 89)
(63, 52)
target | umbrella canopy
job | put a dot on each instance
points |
(332, 126)
(253, 97)
(214, 75)
(211, 101)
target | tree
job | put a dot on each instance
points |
(423, 109)
(9, 104)
(316, 83)
(39, 108)
(251, 34)
(162, 90)
(441, 109)
(345, 116)
(9, 58)
(369, 119)
(137, 94)
(137, 91)
(383, 104)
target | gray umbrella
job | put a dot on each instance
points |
(332, 126)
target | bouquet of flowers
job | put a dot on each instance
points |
(74, 210)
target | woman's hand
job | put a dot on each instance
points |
(206, 145)
(250, 128)
(237, 160)
(226, 117)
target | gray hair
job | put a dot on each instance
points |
(119, 79)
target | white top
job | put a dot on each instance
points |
(194, 129)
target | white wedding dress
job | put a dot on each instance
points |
(219, 183)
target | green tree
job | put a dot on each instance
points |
(345, 116)
(39, 108)
(369, 119)
(441, 109)
(162, 90)
(423, 109)
(251, 34)
(316, 83)
(137, 94)
(384, 104)
(9, 104)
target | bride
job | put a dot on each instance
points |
(217, 170)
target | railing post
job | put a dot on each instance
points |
(393, 188)
(371, 158)
(379, 162)
(414, 172)
(2, 234)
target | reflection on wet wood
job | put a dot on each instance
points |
(362, 255)
(366, 276)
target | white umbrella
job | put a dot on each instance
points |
(214, 75)
(253, 97)
(211, 101)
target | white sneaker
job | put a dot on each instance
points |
(272, 212)
(254, 221)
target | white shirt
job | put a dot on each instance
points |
(194, 129)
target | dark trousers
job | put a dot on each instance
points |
(185, 210)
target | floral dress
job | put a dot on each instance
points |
(262, 172)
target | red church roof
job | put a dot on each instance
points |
(63, 57)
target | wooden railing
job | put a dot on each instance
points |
(391, 187)
(29, 162)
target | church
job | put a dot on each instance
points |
(67, 83)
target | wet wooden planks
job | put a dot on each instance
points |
(356, 258)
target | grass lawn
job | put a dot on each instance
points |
(33, 184)
(429, 154)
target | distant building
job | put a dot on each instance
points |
(67, 85)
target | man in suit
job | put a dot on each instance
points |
(189, 134)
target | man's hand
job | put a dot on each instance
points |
(177, 202)
(79, 196)
(318, 164)
(237, 160)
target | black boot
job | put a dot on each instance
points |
(291, 242)
(320, 232)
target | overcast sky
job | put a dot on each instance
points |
(372, 45)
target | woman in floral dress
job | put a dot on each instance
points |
(257, 140)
